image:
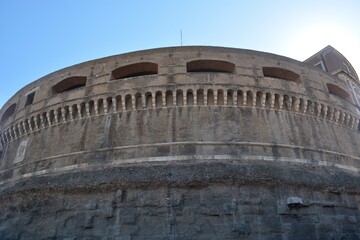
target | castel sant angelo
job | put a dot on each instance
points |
(184, 143)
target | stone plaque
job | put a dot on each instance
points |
(20, 154)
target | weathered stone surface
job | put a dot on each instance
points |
(215, 144)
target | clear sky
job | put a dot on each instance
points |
(41, 36)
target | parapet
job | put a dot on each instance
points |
(182, 142)
(166, 101)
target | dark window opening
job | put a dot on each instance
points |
(8, 113)
(320, 65)
(30, 99)
(69, 84)
(210, 66)
(135, 70)
(281, 73)
(338, 91)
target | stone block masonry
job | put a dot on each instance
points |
(182, 143)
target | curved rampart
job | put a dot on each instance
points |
(174, 80)
(234, 117)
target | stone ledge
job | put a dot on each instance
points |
(186, 173)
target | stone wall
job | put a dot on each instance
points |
(222, 200)
(182, 143)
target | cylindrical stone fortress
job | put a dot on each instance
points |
(182, 143)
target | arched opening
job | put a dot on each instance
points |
(91, 108)
(268, 100)
(110, 104)
(286, 103)
(240, 98)
(310, 107)
(210, 66)
(249, 98)
(100, 104)
(128, 103)
(67, 113)
(338, 91)
(258, 99)
(281, 73)
(179, 98)
(158, 99)
(169, 98)
(138, 101)
(8, 113)
(302, 105)
(230, 97)
(135, 70)
(277, 101)
(44, 120)
(329, 113)
(210, 97)
(119, 104)
(220, 97)
(189, 98)
(148, 98)
(70, 83)
(74, 111)
(30, 99)
(200, 96)
(294, 104)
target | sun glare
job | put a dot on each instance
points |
(310, 40)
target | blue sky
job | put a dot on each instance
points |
(42, 36)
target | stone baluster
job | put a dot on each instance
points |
(337, 116)
(347, 120)
(114, 104)
(356, 124)
(254, 100)
(6, 137)
(56, 117)
(133, 102)
(263, 100)
(19, 127)
(13, 129)
(290, 104)
(87, 106)
(30, 126)
(11, 136)
(153, 100)
(96, 107)
(272, 101)
(318, 109)
(63, 114)
(78, 106)
(1, 142)
(281, 102)
(331, 114)
(42, 121)
(296, 105)
(48, 118)
(36, 121)
(184, 98)
(325, 111)
(305, 111)
(143, 101)
(71, 113)
(235, 98)
(2, 136)
(195, 98)
(24, 126)
(342, 118)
